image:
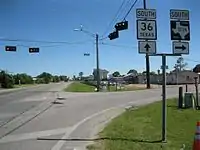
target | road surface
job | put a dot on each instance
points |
(17, 101)
(72, 122)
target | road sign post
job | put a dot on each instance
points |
(164, 102)
(164, 113)
(146, 30)
(147, 47)
(180, 31)
(180, 47)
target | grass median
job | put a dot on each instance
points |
(140, 129)
(80, 87)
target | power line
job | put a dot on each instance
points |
(39, 41)
(188, 59)
(114, 18)
(130, 9)
(122, 10)
(116, 45)
(39, 46)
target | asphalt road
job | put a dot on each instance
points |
(17, 101)
(73, 121)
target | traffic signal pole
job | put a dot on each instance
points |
(97, 59)
(147, 60)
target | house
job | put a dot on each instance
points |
(131, 78)
(154, 79)
(182, 77)
(102, 73)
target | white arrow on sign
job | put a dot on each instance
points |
(147, 47)
(180, 47)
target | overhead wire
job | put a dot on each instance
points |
(40, 41)
(130, 9)
(188, 59)
(117, 45)
(122, 9)
(114, 18)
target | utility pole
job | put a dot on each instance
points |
(147, 60)
(96, 36)
(97, 59)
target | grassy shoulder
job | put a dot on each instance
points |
(79, 87)
(24, 85)
(141, 129)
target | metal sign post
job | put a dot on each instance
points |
(164, 112)
(164, 102)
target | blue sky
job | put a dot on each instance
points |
(54, 20)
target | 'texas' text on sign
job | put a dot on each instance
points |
(146, 29)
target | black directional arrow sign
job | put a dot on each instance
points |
(147, 47)
(180, 47)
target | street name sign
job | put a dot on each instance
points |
(146, 30)
(179, 14)
(180, 47)
(145, 13)
(180, 30)
(147, 47)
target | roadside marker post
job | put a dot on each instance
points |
(147, 30)
(164, 103)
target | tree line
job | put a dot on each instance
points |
(8, 80)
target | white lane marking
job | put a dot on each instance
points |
(34, 135)
(60, 143)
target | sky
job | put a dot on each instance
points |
(40, 21)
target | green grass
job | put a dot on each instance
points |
(24, 85)
(145, 124)
(79, 87)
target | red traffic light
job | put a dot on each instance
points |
(11, 48)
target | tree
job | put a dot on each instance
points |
(6, 80)
(180, 64)
(47, 77)
(116, 74)
(152, 73)
(56, 79)
(144, 73)
(158, 71)
(133, 71)
(74, 77)
(63, 78)
(23, 79)
(81, 75)
(196, 69)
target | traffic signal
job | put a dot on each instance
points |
(11, 48)
(113, 35)
(34, 50)
(121, 25)
(86, 54)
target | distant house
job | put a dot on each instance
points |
(154, 79)
(118, 80)
(182, 77)
(102, 72)
(131, 78)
